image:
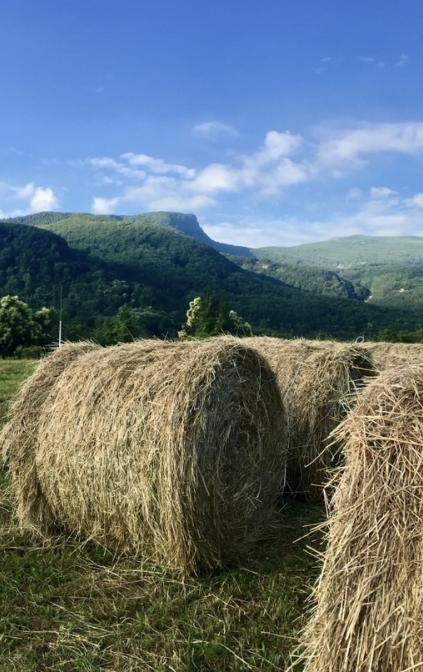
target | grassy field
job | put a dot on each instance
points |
(65, 606)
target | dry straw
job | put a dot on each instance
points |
(18, 438)
(171, 450)
(389, 355)
(319, 381)
(369, 600)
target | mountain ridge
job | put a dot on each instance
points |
(185, 223)
(154, 249)
(159, 270)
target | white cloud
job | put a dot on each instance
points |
(158, 166)
(43, 199)
(217, 177)
(102, 163)
(267, 170)
(172, 185)
(285, 159)
(377, 217)
(276, 146)
(286, 174)
(382, 192)
(25, 192)
(416, 201)
(38, 199)
(157, 193)
(352, 145)
(213, 129)
(104, 206)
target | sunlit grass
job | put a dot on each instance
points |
(69, 606)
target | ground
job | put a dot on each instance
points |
(66, 606)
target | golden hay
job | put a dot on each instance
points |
(167, 449)
(369, 600)
(389, 355)
(318, 382)
(18, 438)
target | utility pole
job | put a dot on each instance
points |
(60, 315)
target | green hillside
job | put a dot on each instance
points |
(309, 278)
(295, 273)
(104, 263)
(350, 252)
(390, 267)
(38, 266)
(176, 221)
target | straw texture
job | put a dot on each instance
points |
(319, 381)
(390, 355)
(170, 450)
(18, 439)
(368, 613)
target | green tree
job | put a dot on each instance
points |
(240, 327)
(20, 326)
(123, 327)
(388, 335)
(210, 316)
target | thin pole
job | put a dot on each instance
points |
(60, 315)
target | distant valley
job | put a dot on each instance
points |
(157, 262)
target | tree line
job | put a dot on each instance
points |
(24, 332)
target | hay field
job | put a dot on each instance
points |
(67, 605)
(71, 607)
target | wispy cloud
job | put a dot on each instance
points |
(102, 163)
(352, 145)
(284, 160)
(416, 201)
(157, 165)
(403, 60)
(213, 129)
(380, 217)
(169, 185)
(378, 193)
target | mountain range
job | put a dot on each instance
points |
(159, 261)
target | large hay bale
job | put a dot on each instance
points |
(18, 439)
(368, 614)
(318, 381)
(172, 450)
(390, 355)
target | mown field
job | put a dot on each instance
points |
(71, 606)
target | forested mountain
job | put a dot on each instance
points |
(350, 252)
(390, 267)
(309, 278)
(296, 274)
(103, 263)
(177, 221)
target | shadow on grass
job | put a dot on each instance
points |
(69, 606)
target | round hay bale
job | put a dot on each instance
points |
(368, 601)
(391, 355)
(319, 381)
(18, 439)
(170, 450)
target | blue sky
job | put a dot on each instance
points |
(274, 122)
